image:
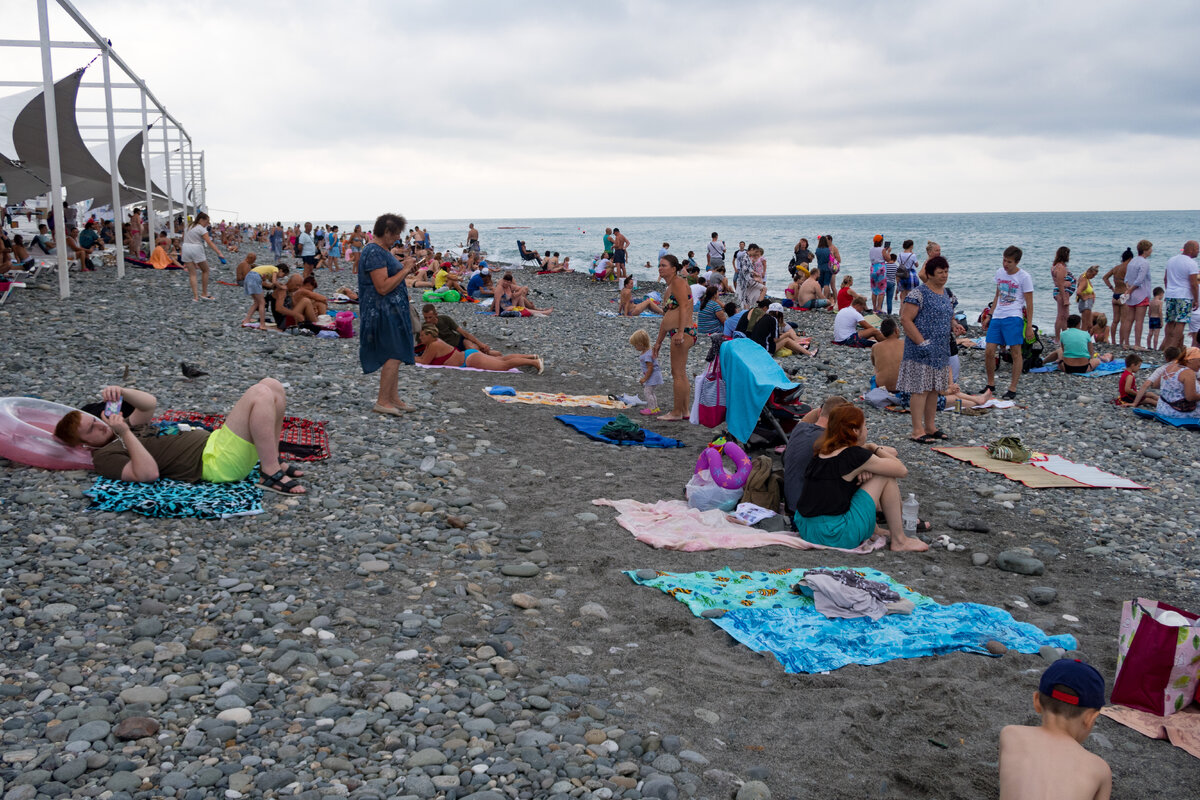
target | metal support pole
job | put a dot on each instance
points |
(56, 194)
(167, 171)
(112, 161)
(183, 179)
(191, 161)
(203, 183)
(146, 165)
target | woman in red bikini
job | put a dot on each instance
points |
(441, 354)
(678, 326)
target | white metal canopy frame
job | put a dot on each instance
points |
(43, 153)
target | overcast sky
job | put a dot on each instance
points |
(343, 110)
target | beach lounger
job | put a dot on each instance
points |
(528, 259)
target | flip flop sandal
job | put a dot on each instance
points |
(279, 483)
(938, 434)
(292, 472)
(923, 439)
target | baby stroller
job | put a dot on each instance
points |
(762, 404)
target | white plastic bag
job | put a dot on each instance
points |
(704, 495)
(694, 417)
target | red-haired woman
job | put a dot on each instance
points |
(846, 481)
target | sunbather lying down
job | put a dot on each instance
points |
(442, 354)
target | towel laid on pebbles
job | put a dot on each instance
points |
(1182, 728)
(176, 500)
(1187, 423)
(759, 610)
(300, 439)
(673, 525)
(590, 427)
(557, 399)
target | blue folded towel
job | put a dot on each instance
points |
(1188, 423)
(505, 391)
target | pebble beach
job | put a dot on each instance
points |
(446, 615)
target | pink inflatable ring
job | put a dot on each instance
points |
(27, 435)
(711, 460)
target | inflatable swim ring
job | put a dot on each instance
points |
(711, 460)
(27, 435)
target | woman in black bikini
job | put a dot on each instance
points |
(678, 326)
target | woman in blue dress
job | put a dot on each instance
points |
(926, 314)
(385, 335)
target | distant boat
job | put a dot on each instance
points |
(513, 228)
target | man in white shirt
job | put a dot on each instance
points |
(716, 252)
(308, 249)
(851, 329)
(1182, 286)
(1012, 312)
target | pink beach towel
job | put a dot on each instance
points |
(672, 525)
(1182, 729)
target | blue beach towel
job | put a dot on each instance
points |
(763, 614)
(750, 374)
(175, 499)
(1177, 422)
(590, 427)
(1105, 369)
(502, 391)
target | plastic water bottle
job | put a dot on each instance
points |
(908, 513)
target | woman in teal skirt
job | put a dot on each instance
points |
(846, 482)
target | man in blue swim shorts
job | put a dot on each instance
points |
(1013, 310)
(132, 449)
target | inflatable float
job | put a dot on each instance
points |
(711, 459)
(27, 435)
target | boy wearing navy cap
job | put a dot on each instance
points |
(1049, 761)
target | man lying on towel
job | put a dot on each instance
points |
(131, 449)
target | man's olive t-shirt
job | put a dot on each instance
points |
(179, 457)
(448, 330)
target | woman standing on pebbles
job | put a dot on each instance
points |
(193, 256)
(385, 336)
(925, 370)
(677, 325)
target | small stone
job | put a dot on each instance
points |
(969, 524)
(995, 648)
(374, 566)
(525, 569)
(1150, 452)
(1020, 563)
(144, 694)
(428, 757)
(667, 763)
(238, 716)
(1050, 653)
(713, 613)
(754, 790)
(398, 702)
(980, 559)
(711, 717)
(521, 600)
(593, 610)
(1042, 595)
(92, 731)
(135, 728)
(646, 574)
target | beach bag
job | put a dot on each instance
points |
(703, 494)
(1158, 663)
(712, 396)
(343, 323)
(1009, 448)
(763, 487)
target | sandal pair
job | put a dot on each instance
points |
(283, 482)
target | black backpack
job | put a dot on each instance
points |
(1031, 353)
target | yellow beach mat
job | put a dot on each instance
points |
(552, 399)
(1032, 476)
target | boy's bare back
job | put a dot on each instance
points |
(1039, 764)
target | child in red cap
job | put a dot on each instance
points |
(1049, 761)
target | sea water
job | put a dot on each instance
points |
(972, 243)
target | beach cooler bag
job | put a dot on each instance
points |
(712, 396)
(1158, 657)
(343, 323)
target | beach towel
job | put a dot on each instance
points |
(1103, 370)
(762, 613)
(1043, 471)
(590, 427)
(1181, 729)
(464, 369)
(300, 440)
(750, 374)
(552, 399)
(673, 525)
(615, 314)
(1176, 422)
(175, 499)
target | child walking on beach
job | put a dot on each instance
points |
(651, 374)
(1050, 761)
(1155, 313)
